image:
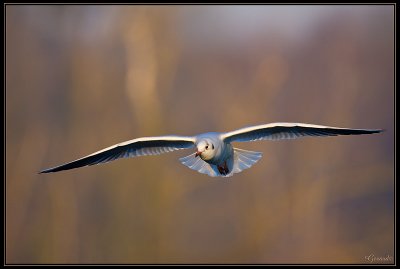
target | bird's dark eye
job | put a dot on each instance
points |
(207, 147)
(212, 146)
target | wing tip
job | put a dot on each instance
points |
(62, 167)
(46, 171)
(375, 131)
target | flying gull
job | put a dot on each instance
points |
(215, 155)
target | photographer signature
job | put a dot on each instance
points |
(372, 258)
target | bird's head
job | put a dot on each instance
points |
(205, 149)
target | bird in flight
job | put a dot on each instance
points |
(215, 155)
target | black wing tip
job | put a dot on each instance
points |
(366, 131)
(358, 131)
(55, 169)
(375, 131)
(64, 167)
(46, 171)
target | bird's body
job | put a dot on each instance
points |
(215, 155)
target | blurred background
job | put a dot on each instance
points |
(82, 78)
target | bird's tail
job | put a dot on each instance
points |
(196, 163)
(241, 160)
(244, 159)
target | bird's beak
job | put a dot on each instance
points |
(198, 153)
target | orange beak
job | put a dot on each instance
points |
(198, 153)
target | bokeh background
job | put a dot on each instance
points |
(82, 78)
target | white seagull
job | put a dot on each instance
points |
(215, 155)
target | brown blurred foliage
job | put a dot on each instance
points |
(82, 78)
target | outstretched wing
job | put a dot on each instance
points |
(132, 148)
(284, 130)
